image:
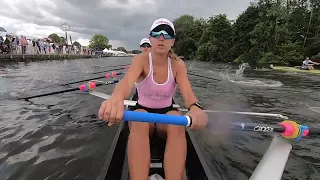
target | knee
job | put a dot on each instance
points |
(175, 131)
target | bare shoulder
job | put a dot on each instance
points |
(179, 66)
(139, 59)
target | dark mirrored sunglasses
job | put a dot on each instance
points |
(157, 35)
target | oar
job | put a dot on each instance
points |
(288, 129)
(100, 77)
(83, 87)
(133, 103)
(114, 74)
(113, 66)
(126, 67)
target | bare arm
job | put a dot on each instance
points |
(124, 87)
(184, 84)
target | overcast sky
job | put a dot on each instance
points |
(124, 22)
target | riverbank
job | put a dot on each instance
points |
(40, 57)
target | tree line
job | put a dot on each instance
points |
(98, 42)
(268, 31)
(60, 40)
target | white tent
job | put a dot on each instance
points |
(108, 51)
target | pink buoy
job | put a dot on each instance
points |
(88, 86)
(114, 74)
(92, 85)
(107, 76)
(82, 87)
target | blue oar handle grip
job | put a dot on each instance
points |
(157, 118)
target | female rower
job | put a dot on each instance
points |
(145, 45)
(157, 73)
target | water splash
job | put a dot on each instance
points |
(191, 65)
(241, 69)
(238, 78)
(3, 84)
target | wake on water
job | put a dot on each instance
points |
(315, 109)
(238, 78)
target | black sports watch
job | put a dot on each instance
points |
(196, 104)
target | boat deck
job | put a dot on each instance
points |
(116, 164)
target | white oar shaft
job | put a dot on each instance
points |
(245, 113)
(133, 103)
(250, 113)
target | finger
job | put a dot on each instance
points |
(102, 109)
(106, 114)
(110, 124)
(113, 112)
(119, 113)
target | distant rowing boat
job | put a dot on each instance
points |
(295, 69)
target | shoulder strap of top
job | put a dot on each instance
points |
(150, 63)
(170, 67)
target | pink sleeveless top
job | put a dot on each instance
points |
(154, 95)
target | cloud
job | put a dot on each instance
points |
(124, 22)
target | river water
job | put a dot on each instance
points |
(60, 137)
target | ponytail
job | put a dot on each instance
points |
(173, 56)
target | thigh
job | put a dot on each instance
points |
(164, 129)
(141, 126)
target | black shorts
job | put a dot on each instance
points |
(151, 110)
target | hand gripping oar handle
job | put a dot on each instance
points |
(157, 118)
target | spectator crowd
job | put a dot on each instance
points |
(21, 45)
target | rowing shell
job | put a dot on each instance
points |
(293, 69)
(115, 167)
(116, 164)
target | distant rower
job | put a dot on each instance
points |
(145, 45)
(308, 64)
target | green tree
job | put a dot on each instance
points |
(99, 42)
(63, 40)
(217, 39)
(76, 43)
(268, 31)
(242, 27)
(55, 38)
(135, 51)
(188, 33)
(122, 49)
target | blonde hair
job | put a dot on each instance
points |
(173, 56)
